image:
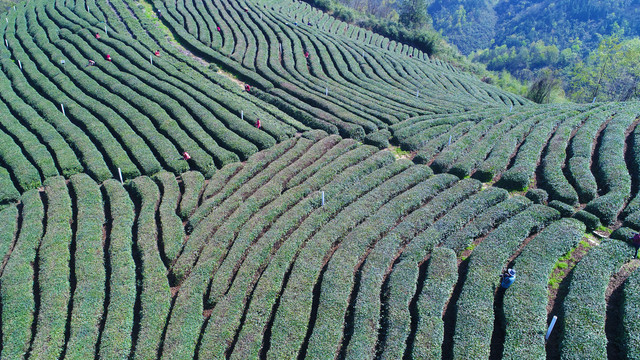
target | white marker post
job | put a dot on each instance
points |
(6, 43)
(594, 99)
(417, 93)
(151, 59)
(62, 107)
(323, 198)
(20, 64)
(242, 114)
(105, 30)
(120, 174)
(511, 108)
(87, 8)
(326, 91)
(449, 139)
(280, 47)
(553, 322)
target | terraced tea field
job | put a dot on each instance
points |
(369, 214)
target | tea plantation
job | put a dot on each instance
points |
(344, 195)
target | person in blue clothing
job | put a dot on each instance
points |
(635, 240)
(508, 277)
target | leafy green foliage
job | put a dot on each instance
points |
(525, 303)
(583, 332)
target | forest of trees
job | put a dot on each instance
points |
(565, 50)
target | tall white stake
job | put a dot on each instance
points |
(553, 322)
(20, 63)
(105, 30)
(417, 93)
(120, 174)
(242, 114)
(6, 43)
(326, 91)
(62, 107)
(449, 139)
(151, 59)
(323, 198)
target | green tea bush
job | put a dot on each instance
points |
(525, 303)
(54, 275)
(16, 283)
(475, 314)
(89, 294)
(442, 274)
(118, 325)
(583, 334)
(153, 290)
(631, 311)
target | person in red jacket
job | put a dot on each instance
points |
(186, 156)
(258, 124)
(157, 53)
(306, 54)
(108, 57)
(219, 29)
(97, 36)
(247, 87)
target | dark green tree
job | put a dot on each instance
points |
(543, 86)
(413, 14)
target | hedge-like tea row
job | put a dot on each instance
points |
(401, 286)
(581, 147)
(170, 223)
(583, 334)
(115, 341)
(193, 182)
(54, 272)
(296, 301)
(16, 283)
(89, 294)
(631, 314)
(613, 175)
(188, 300)
(152, 284)
(491, 218)
(201, 235)
(525, 303)
(345, 189)
(553, 179)
(367, 307)
(8, 229)
(442, 274)
(475, 315)
(519, 175)
(238, 234)
(337, 281)
(249, 38)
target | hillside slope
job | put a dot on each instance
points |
(473, 25)
(282, 235)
